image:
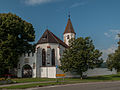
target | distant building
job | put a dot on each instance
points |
(46, 59)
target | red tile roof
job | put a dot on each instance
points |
(69, 28)
(49, 37)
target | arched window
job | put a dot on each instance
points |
(67, 36)
(53, 57)
(43, 57)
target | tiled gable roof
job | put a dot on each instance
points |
(49, 37)
(69, 28)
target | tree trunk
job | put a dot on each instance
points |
(81, 75)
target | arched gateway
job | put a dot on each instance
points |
(26, 71)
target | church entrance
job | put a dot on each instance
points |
(27, 71)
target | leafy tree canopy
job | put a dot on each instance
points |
(80, 56)
(113, 60)
(15, 37)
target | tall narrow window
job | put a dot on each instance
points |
(53, 57)
(67, 36)
(33, 65)
(43, 57)
(18, 66)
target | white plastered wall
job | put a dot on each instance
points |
(71, 35)
(49, 71)
(31, 59)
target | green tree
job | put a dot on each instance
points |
(110, 61)
(15, 37)
(113, 60)
(80, 56)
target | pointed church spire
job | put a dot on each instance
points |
(69, 31)
(69, 28)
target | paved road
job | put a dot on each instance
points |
(84, 86)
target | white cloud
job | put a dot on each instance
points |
(106, 34)
(116, 37)
(113, 34)
(77, 4)
(108, 51)
(115, 31)
(36, 2)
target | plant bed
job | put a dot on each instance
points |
(5, 81)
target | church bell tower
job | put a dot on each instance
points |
(69, 32)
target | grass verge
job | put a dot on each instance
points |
(24, 80)
(60, 81)
(33, 85)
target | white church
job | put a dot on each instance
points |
(46, 59)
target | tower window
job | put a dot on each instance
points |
(68, 37)
(28, 54)
(33, 65)
(18, 66)
(43, 57)
(53, 57)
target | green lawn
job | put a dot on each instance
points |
(95, 78)
(24, 80)
(60, 81)
(32, 85)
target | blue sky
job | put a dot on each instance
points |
(99, 19)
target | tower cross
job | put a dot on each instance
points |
(69, 14)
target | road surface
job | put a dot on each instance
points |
(83, 86)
